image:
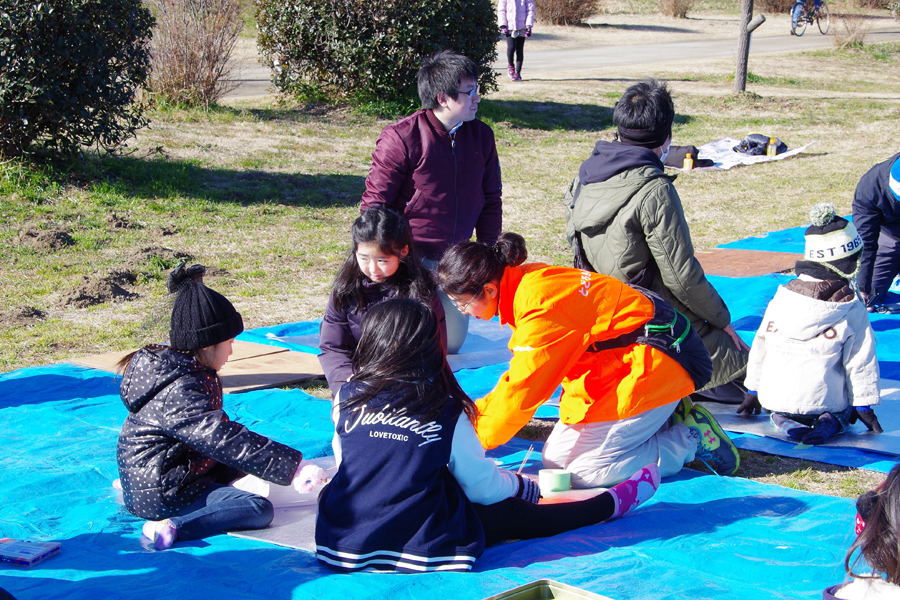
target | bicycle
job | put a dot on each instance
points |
(802, 15)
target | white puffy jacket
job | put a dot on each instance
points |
(812, 356)
(515, 14)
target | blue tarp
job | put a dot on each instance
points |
(701, 536)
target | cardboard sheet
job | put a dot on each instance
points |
(857, 436)
(728, 262)
(296, 527)
(251, 366)
(485, 343)
(292, 527)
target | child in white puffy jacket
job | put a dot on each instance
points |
(813, 363)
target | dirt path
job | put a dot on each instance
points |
(616, 41)
(590, 59)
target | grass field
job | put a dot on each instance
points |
(264, 192)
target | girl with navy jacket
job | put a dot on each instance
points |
(413, 490)
(382, 263)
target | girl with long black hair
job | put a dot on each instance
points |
(414, 491)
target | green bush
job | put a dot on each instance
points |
(369, 52)
(69, 72)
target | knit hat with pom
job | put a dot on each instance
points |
(832, 241)
(201, 317)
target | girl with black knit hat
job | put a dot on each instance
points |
(178, 449)
(813, 363)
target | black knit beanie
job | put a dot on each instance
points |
(832, 241)
(201, 317)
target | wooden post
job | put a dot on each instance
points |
(740, 73)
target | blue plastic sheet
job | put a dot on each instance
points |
(701, 536)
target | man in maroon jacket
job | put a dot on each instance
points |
(438, 167)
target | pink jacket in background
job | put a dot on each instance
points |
(515, 14)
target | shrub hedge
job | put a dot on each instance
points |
(69, 72)
(366, 51)
(566, 12)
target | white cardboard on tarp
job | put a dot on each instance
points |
(856, 437)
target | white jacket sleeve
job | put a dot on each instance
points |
(480, 478)
(336, 439)
(757, 356)
(860, 362)
(501, 14)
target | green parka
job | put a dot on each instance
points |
(625, 214)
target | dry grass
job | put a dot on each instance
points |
(850, 30)
(192, 45)
(677, 9)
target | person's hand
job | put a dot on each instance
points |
(504, 31)
(865, 297)
(307, 476)
(729, 329)
(528, 490)
(750, 405)
(870, 420)
(528, 31)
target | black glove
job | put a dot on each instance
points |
(870, 420)
(750, 405)
(528, 490)
(528, 31)
(504, 31)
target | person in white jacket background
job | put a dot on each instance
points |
(812, 362)
(516, 18)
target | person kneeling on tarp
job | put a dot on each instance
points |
(812, 362)
(624, 356)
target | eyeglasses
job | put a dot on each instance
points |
(470, 93)
(462, 307)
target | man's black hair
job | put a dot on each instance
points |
(646, 106)
(441, 73)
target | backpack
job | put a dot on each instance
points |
(755, 145)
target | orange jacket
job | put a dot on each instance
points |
(556, 313)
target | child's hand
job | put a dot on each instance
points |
(308, 476)
(750, 405)
(504, 31)
(528, 32)
(870, 420)
(528, 490)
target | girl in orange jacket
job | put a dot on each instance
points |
(623, 378)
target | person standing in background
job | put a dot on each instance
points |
(516, 18)
(876, 214)
(438, 168)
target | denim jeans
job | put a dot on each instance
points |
(222, 508)
(842, 417)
